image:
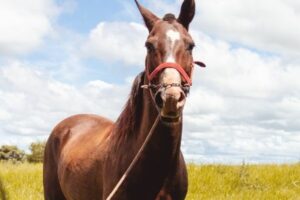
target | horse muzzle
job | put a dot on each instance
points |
(171, 101)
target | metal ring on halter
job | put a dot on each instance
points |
(185, 87)
(179, 68)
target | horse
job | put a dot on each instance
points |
(88, 157)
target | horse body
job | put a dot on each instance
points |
(87, 155)
(88, 149)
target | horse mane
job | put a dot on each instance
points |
(130, 117)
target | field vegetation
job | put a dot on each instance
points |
(244, 182)
(23, 181)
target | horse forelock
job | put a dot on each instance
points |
(169, 17)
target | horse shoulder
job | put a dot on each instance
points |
(83, 126)
(79, 144)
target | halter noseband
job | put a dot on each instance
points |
(179, 68)
(176, 66)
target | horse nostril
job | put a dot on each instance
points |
(182, 97)
(181, 100)
(158, 99)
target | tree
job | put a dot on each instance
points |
(37, 152)
(11, 153)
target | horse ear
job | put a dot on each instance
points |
(149, 17)
(187, 13)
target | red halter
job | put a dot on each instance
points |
(170, 65)
(176, 66)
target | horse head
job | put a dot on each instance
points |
(169, 60)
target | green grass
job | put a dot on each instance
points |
(218, 182)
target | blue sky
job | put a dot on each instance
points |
(84, 16)
(63, 57)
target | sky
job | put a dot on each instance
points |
(63, 57)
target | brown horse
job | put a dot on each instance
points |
(86, 155)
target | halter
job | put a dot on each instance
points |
(176, 66)
(179, 68)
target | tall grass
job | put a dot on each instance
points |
(21, 181)
(245, 182)
(214, 182)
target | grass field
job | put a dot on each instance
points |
(245, 182)
(220, 182)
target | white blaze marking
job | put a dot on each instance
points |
(172, 36)
(170, 75)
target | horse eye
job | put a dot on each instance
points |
(190, 46)
(150, 47)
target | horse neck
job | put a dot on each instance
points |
(148, 116)
(138, 117)
(166, 137)
(143, 113)
(160, 156)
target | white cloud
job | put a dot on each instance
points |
(243, 73)
(243, 106)
(117, 41)
(237, 143)
(24, 24)
(271, 25)
(205, 101)
(31, 102)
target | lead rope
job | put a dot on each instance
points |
(138, 155)
(132, 164)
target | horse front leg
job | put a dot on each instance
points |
(176, 186)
